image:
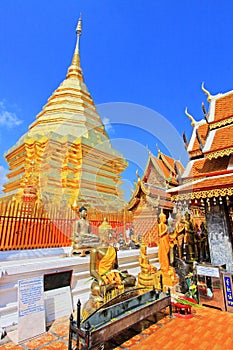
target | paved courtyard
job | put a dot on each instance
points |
(209, 329)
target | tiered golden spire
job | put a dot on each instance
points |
(73, 154)
(75, 69)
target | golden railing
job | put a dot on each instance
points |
(25, 226)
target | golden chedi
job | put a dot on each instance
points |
(72, 153)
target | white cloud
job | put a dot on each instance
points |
(3, 177)
(107, 125)
(7, 118)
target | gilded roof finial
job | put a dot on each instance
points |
(206, 92)
(193, 122)
(158, 149)
(139, 179)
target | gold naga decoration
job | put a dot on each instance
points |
(218, 192)
(219, 153)
(221, 123)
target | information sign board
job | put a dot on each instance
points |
(31, 310)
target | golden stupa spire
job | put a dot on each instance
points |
(75, 69)
(78, 33)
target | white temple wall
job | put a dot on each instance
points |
(21, 265)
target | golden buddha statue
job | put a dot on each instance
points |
(168, 272)
(104, 270)
(164, 245)
(105, 231)
(148, 277)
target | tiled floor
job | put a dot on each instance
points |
(209, 329)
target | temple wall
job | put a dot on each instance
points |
(20, 265)
(219, 235)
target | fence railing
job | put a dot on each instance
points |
(23, 226)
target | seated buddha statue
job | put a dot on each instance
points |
(148, 277)
(105, 231)
(104, 270)
(82, 235)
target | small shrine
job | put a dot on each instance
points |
(207, 182)
(161, 172)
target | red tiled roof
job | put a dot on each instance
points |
(224, 108)
(223, 139)
(202, 132)
(165, 171)
(180, 167)
(208, 183)
(204, 166)
(162, 167)
(169, 160)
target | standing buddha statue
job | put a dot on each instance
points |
(168, 272)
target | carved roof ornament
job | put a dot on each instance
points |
(209, 96)
(199, 140)
(185, 140)
(193, 121)
(158, 149)
(139, 179)
(204, 112)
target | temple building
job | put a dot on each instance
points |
(207, 181)
(149, 197)
(66, 155)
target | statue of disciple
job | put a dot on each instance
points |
(164, 245)
(201, 242)
(189, 237)
(180, 232)
(205, 243)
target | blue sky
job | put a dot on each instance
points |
(150, 54)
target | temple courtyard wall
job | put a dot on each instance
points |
(28, 264)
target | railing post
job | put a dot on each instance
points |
(78, 321)
(87, 334)
(78, 313)
(70, 333)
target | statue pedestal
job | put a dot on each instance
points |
(149, 280)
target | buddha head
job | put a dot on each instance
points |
(162, 217)
(143, 247)
(83, 212)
